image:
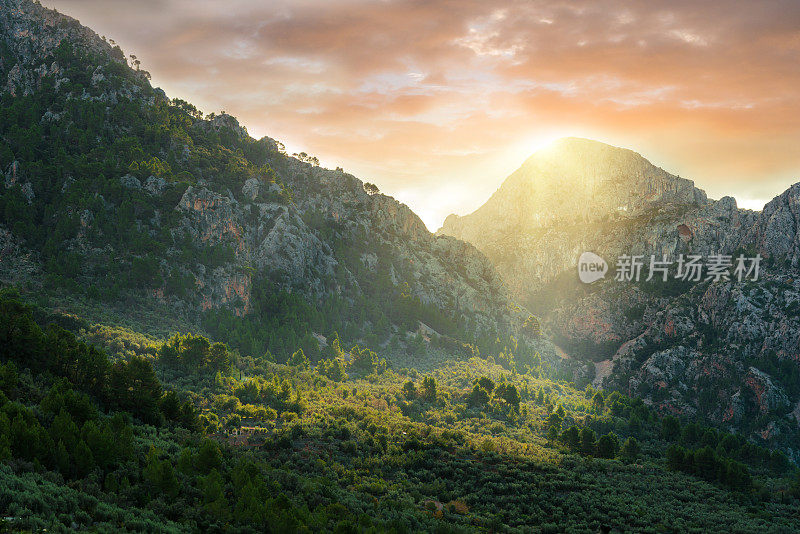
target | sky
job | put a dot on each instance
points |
(437, 101)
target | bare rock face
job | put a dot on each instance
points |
(726, 351)
(439, 270)
(222, 121)
(251, 188)
(776, 230)
(581, 195)
(264, 236)
(155, 186)
(574, 180)
(130, 182)
(768, 397)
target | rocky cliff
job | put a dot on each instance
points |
(579, 195)
(275, 237)
(726, 351)
(776, 231)
(119, 190)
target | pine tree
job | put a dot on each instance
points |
(631, 449)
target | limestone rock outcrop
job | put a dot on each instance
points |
(728, 351)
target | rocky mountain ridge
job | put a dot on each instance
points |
(575, 179)
(189, 210)
(727, 351)
(269, 236)
(582, 195)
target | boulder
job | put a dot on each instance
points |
(130, 182)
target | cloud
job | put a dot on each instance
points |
(424, 97)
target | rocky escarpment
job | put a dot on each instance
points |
(711, 230)
(583, 195)
(150, 197)
(776, 232)
(530, 260)
(725, 351)
(441, 270)
(264, 236)
(274, 237)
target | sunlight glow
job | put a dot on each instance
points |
(755, 204)
(539, 141)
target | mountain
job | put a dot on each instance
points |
(723, 351)
(115, 191)
(575, 180)
(581, 195)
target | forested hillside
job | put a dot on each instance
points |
(183, 435)
(138, 205)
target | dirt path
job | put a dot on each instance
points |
(601, 369)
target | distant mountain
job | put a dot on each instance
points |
(562, 201)
(114, 192)
(574, 180)
(724, 351)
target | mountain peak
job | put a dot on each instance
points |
(575, 179)
(574, 154)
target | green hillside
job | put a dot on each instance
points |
(185, 435)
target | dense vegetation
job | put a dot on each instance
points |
(218, 441)
(74, 148)
(102, 235)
